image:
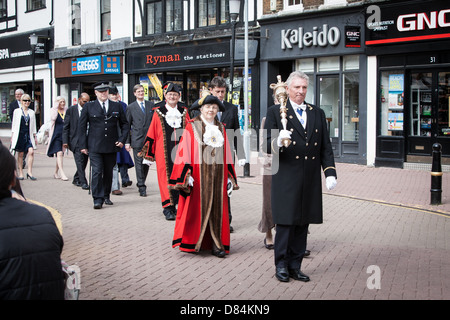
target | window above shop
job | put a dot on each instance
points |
(33, 5)
(291, 5)
(105, 15)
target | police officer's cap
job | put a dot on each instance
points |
(101, 86)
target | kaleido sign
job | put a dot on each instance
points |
(310, 38)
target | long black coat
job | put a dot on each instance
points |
(30, 253)
(70, 131)
(296, 181)
(103, 130)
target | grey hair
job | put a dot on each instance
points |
(297, 74)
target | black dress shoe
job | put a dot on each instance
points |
(85, 187)
(218, 253)
(143, 193)
(307, 253)
(97, 205)
(170, 213)
(298, 275)
(268, 246)
(108, 202)
(282, 274)
(127, 184)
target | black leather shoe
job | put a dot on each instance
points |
(307, 253)
(108, 202)
(298, 275)
(218, 253)
(282, 274)
(97, 205)
(170, 213)
(127, 184)
(85, 187)
(142, 193)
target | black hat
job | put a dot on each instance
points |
(169, 86)
(113, 90)
(208, 99)
(101, 86)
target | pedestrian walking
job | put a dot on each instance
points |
(105, 118)
(296, 181)
(139, 116)
(124, 160)
(55, 137)
(164, 133)
(23, 136)
(204, 174)
(70, 140)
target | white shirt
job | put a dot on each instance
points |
(79, 110)
(302, 118)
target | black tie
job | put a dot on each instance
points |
(104, 108)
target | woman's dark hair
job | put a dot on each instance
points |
(8, 171)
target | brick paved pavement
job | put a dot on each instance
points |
(376, 217)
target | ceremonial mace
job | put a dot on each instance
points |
(280, 94)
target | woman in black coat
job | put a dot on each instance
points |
(30, 244)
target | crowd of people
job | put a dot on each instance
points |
(194, 153)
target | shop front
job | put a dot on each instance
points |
(76, 75)
(328, 47)
(16, 72)
(192, 65)
(409, 45)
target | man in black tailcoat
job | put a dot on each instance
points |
(70, 140)
(296, 181)
(102, 142)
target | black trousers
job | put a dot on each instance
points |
(81, 161)
(141, 170)
(102, 172)
(290, 245)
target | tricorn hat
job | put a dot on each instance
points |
(169, 86)
(208, 99)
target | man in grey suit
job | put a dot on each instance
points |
(139, 116)
(70, 140)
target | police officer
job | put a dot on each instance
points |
(296, 182)
(101, 142)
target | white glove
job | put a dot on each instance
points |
(191, 181)
(331, 182)
(147, 162)
(241, 162)
(229, 188)
(284, 134)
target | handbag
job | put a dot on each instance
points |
(71, 282)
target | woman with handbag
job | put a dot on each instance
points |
(23, 136)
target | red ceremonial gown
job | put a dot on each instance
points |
(202, 216)
(159, 146)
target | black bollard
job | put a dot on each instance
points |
(436, 175)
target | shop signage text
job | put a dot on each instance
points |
(315, 38)
(87, 65)
(426, 21)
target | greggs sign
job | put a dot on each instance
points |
(424, 21)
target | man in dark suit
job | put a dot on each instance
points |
(70, 140)
(139, 116)
(102, 142)
(230, 119)
(296, 181)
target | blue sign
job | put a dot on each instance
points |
(87, 65)
(111, 65)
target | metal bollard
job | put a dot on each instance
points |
(436, 175)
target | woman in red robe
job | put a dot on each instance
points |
(204, 174)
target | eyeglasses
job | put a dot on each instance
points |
(26, 100)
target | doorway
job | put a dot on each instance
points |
(429, 101)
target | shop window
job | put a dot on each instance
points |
(105, 12)
(76, 22)
(351, 107)
(328, 64)
(392, 98)
(35, 5)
